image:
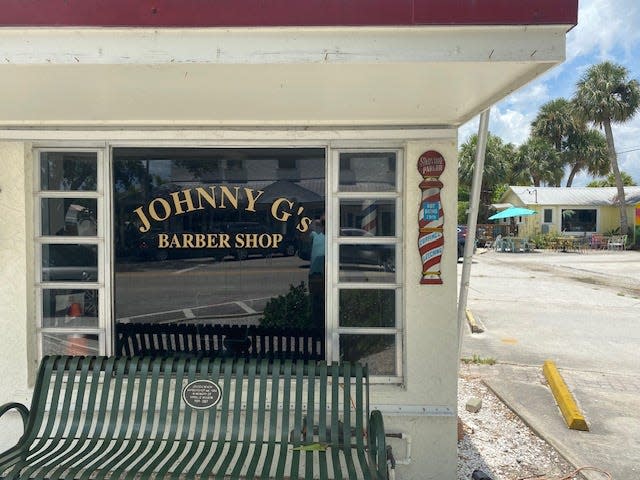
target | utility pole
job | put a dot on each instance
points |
(472, 223)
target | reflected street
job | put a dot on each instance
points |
(185, 289)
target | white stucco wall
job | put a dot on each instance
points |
(15, 283)
(430, 367)
(431, 329)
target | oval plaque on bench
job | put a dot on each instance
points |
(202, 394)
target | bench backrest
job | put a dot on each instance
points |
(261, 401)
(141, 339)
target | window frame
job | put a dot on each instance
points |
(104, 242)
(334, 285)
(102, 283)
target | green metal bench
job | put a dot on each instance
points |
(143, 417)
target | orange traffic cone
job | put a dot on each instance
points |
(74, 310)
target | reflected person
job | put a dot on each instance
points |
(316, 273)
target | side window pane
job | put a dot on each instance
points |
(367, 308)
(69, 308)
(69, 217)
(70, 344)
(367, 172)
(378, 351)
(367, 263)
(367, 218)
(69, 263)
(68, 171)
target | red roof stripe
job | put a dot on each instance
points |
(253, 13)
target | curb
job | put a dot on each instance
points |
(529, 420)
(473, 324)
(570, 411)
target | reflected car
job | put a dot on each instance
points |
(287, 246)
(148, 244)
(366, 254)
(148, 248)
(70, 263)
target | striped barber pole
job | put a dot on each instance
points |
(369, 216)
(431, 217)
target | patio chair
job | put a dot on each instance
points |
(498, 244)
(597, 241)
(617, 242)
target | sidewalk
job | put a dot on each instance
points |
(609, 397)
(604, 399)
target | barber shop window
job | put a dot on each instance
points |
(69, 252)
(215, 251)
(367, 252)
(579, 220)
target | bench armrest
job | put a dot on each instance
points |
(377, 443)
(22, 410)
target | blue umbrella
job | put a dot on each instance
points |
(512, 212)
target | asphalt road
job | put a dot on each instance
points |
(177, 289)
(580, 310)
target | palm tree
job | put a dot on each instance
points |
(579, 147)
(497, 166)
(605, 95)
(556, 122)
(542, 161)
(610, 181)
(587, 150)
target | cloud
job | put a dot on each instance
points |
(604, 26)
(627, 143)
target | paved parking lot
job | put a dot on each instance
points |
(581, 310)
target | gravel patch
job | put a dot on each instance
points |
(497, 442)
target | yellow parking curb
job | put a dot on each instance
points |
(473, 324)
(572, 416)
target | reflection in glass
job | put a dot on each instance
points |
(68, 171)
(69, 216)
(367, 308)
(367, 218)
(367, 263)
(70, 344)
(367, 172)
(69, 308)
(213, 236)
(69, 263)
(378, 351)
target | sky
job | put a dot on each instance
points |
(607, 30)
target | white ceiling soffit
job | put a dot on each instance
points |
(277, 76)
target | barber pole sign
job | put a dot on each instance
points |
(431, 217)
(369, 216)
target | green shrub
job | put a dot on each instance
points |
(290, 310)
(545, 240)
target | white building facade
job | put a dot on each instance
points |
(157, 163)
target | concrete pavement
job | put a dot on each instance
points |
(580, 309)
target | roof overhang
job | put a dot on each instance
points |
(282, 75)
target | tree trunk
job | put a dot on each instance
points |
(624, 225)
(572, 175)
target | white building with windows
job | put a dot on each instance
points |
(161, 164)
